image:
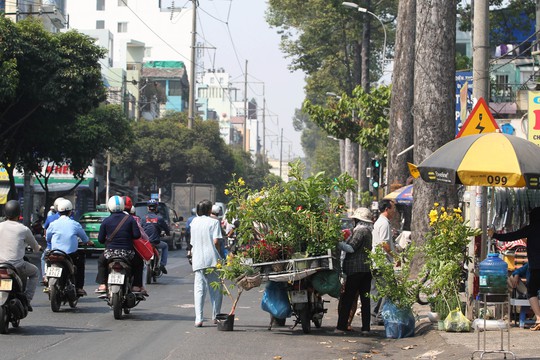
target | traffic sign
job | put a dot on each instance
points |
(480, 121)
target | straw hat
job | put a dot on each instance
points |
(362, 214)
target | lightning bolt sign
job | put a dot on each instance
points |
(479, 121)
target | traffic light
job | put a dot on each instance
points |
(375, 173)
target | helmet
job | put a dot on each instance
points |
(132, 210)
(12, 209)
(64, 205)
(152, 204)
(56, 203)
(127, 203)
(216, 209)
(115, 204)
(193, 211)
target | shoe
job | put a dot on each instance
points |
(46, 290)
(535, 327)
(163, 269)
(144, 292)
(101, 289)
(199, 324)
(81, 292)
(340, 332)
(364, 332)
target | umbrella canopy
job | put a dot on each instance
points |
(403, 195)
(491, 159)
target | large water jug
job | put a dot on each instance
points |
(493, 274)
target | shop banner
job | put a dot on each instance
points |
(534, 117)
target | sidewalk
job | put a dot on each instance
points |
(430, 343)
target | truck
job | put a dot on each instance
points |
(186, 196)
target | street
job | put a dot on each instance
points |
(162, 328)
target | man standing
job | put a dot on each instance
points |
(153, 224)
(63, 234)
(205, 234)
(382, 237)
(14, 237)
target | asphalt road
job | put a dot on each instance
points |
(163, 328)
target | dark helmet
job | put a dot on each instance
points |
(152, 204)
(12, 209)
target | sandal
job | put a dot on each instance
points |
(536, 327)
(101, 289)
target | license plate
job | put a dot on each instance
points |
(117, 279)
(6, 284)
(93, 235)
(54, 271)
(299, 296)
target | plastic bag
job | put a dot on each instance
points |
(457, 322)
(275, 300)
(327, 282)
(398, 323)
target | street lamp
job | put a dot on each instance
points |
(364, 10)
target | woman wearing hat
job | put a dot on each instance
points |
(356, 266)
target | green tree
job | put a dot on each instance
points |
(50, 80)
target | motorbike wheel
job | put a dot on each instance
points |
(149, 271)
(305, 320)
(117, 305)
(55, 298)
(4, 320)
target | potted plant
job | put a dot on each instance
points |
(302, 215)
(445, 253)
(235, 276)
(399, 289)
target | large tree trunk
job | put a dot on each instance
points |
(433, 111)
(401, 119)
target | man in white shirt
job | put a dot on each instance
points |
(382, 236)
(205, 235)
(14, 237)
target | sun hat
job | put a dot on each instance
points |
(362, 214)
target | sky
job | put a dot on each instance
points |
(239, 32)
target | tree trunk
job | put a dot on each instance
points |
(434, 90)
(402, 101)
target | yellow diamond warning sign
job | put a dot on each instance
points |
(480, 121)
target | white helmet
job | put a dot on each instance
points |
(115, 204)
(64, 205)
(56, 202)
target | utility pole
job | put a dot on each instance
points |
(264, 126)
(281, 153)
(191, 104)
(246, 145)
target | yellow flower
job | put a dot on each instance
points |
(436, 204)
(433, 215)
(241, 182)
(218, 265)
(257, 199)
(227, 192)
(457, 210)
(442, 209)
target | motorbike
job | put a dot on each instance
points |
(119, 294)
(307, 304)
(37, 227)
(60, 272)
(13, 301)
(153, 268)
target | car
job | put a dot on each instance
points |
(91, 222)
(175, 239)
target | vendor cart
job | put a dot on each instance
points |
(306, 301)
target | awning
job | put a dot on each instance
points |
(4, 190)
(54, 187)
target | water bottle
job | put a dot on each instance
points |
(493, 274)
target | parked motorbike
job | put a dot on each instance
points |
(60, 272)
(120, 280)
(307, 304)
(153, 268)
(13, 301)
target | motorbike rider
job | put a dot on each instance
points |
(64, 234)
(14, 239)
(50, 219)
(153, 224)
(121, 245)
(130, 210)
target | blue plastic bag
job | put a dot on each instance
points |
(275, 300)
(398, 323)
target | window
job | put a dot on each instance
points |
(122, 27)
(122, 2)
(100, 24)
(100, 5)
(175, 88)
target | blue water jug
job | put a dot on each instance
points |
(493, 274)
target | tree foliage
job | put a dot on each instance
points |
(48, 80)
(362, 115)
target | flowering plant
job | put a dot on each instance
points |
(230, 271)
(263, 251)
(445, 252)
(303, 214)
